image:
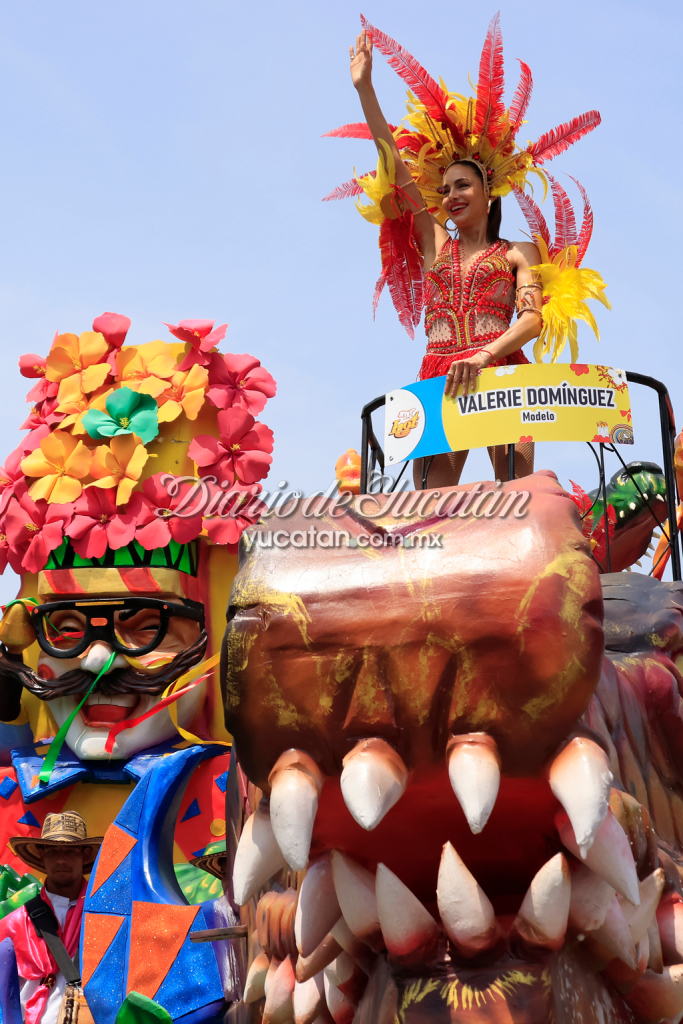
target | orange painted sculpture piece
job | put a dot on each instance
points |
(472, 790)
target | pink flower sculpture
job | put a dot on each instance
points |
(200, 334)
(12, 479)
(162, 518)
(33, 439)
(233, 515)
(34, 529)
(44, 413)
(239, 382)
(31, 365)
(113, 327)
(4, 547)
(97, 524)
(242, 453)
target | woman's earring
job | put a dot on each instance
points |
(489, 205)
(455, 226)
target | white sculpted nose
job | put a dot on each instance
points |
(97, 658)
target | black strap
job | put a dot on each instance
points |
(46, 926)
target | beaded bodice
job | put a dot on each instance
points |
(466, 311)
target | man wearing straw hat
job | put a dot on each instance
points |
(45, 932)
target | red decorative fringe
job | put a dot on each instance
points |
(434, 365)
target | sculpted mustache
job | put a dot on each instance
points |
(126, 680)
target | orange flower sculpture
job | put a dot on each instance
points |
(59, 466)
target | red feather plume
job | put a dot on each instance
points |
(348, 189)
(532, 213)
(586, 225)
(411, 71)
(565, 221)
(401, 271)
(356, 130)
(520, 101)
(491, 84)
(552, 143)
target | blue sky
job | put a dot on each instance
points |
(164, 160)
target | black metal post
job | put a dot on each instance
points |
(605, 517)
(512, 471)
(668, 429)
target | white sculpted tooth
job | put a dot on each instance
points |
(355, 888)
(308, 966)
(348, 977)
(317, 909)
(590, 900)
(342, 1009)
(295, 785)
(615, 935)
(374, 778)
(580, 779)
(254, 986)
(542, 917)
(408, 928)
(258, 855)
(278, 1008)
(308, 999)
(639, 918)
(658, 996)
(356, 948)
(610, 855)
(474, 771)
(466, 913)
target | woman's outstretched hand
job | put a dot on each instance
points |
(464, 371)
(361, 61)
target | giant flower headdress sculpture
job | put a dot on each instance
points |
(116, 433)
(442, 126)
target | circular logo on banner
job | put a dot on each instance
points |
(622, 434)
(404, 423)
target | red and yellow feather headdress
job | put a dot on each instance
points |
(442, 126)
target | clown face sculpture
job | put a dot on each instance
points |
(121, 510)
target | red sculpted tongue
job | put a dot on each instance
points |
(105, 714)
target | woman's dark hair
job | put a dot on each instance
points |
(496, 210)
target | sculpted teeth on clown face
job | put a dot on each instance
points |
(101, 710)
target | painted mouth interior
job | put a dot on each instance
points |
(106, 710)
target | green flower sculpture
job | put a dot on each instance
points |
(128, 412)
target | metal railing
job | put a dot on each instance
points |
(372, 455)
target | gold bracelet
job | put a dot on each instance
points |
(529, 309)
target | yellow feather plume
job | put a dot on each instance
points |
(567, 289)
(379, 187)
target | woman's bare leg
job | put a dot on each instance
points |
(444, 470)
(524, 460)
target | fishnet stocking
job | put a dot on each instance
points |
(445, 470)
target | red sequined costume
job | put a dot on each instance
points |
(463, 315)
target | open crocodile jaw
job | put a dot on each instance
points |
(499, 632)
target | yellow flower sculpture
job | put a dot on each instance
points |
(77, 364)
(184, 393)
(59, 466)
(76, 404)
(146, 368)
(119, 464)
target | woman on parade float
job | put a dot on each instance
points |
(454, 160)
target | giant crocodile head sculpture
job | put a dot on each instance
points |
(445, 829)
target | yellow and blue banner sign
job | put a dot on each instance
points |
(533, 402)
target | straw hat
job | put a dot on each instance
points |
(67, 827)
(213, 859)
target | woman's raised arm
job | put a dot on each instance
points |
(361, 76)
